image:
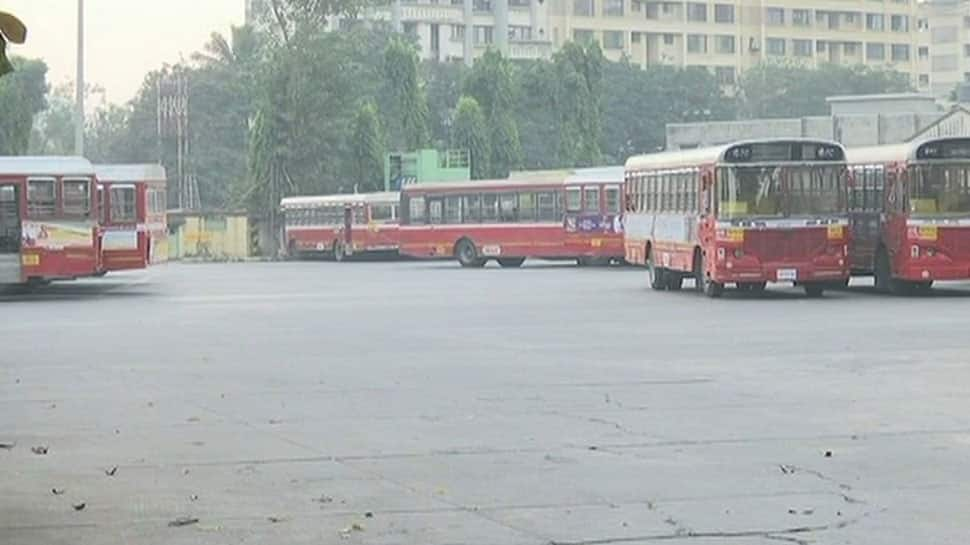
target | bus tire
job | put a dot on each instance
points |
(467, 254)
(702, 283)
(582, 262)
(814, 289)
(884, 278)
(675, 280)
(656, 275)
(923, 287)
(511, 262)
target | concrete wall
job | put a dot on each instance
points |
(909, 103)
(210, 237)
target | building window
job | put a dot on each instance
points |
(696, 12)
(668, 39)
(924, 52)
(922, 23)
(850, 18)
(875, 21)
(966, 21)
(635, 37)
(482, 5)
(723, 13)
(850, 49)
(483, 34)
(613, 8)
(943, 35)
(899, 23)
(725, 74)
(875, 52)
(725, 44)
(801, 17)
(435, 37)
(945, 63)
(900, 52)
(966, 76)
(410, 28)
(802, 48)
(966, 50)
(775, 16)
(519, 33)
(821, 47)
(775, 46)
(696, 43)
(457, 33)
(828, 19)
(584, 8)
(583, 36)
(924, 80)
(612, 39)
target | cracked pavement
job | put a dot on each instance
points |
(415, 402)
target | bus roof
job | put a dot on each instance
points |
(46, 166)
(706, 156)
(131, 173)
(531, 178)
(342, 199)
(907, 151)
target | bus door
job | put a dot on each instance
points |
(894, 219)
(348, 229)
(10, 234)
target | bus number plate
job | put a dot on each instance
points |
(492, 250)
(30, 260)
(787, 274)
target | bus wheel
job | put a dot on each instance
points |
(656, 275)
(467, 254)
(511, 262)
(814, 289)
(582, 262)
(882, 272)
(923, 287)
(675, 281)
(339, 252)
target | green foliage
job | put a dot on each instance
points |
(490, 84)
(406, 106)
(785, 89)
(579, 71)
(442, 82)
(536, 114)
(367, 147)
(22, 96)
(470, 131)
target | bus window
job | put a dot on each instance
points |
(591, 200)
(489, 207)
(123, 204)
(76, 196)
(527, 207)
(435, 210)
(546, 202)
(612, 194)
(41, 200)
(416, 210)
(473, 208)
(573, 199)
(940, 189)
(9, 220)
(452, 209)
(102, 204)
(359, 218)
(381, 213)
(508, 205)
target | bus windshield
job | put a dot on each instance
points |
(781, 191)
(940, 190)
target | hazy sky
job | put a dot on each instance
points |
(124, 38)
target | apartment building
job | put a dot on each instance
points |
(947, 49)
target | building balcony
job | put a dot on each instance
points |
(522, 49)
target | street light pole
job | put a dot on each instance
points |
(79, 105)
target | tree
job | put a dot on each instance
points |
(443, 86)
(536, 115)
(23, 94)
(787, 89)
(286, 18)
(406, 104)
(579, 69)
(470, 131)
(368, 148)
(12, 30)
(490, 84)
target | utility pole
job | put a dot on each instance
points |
(79, 98)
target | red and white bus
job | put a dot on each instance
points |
(910, 213)
(748, 213)
(48, 225)
(550, 215)
(134, 229)
(341, 225)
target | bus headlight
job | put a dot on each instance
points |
(914, 251)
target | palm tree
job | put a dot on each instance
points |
(12, 30)
(243, 49)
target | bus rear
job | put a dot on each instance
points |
(47, 219)
(593, 215)
(134, 230)
(781, 216)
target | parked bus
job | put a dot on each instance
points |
(341, 225)
(48, 228)
(748, 213)
(910, 213)
(552, 215)
(134, 229)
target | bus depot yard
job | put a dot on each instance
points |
(421, 402)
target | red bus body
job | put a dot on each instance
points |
(910, 213)
(133, 224)
(341, 225)
(551, 215)
(47, 219)
(747, 214)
